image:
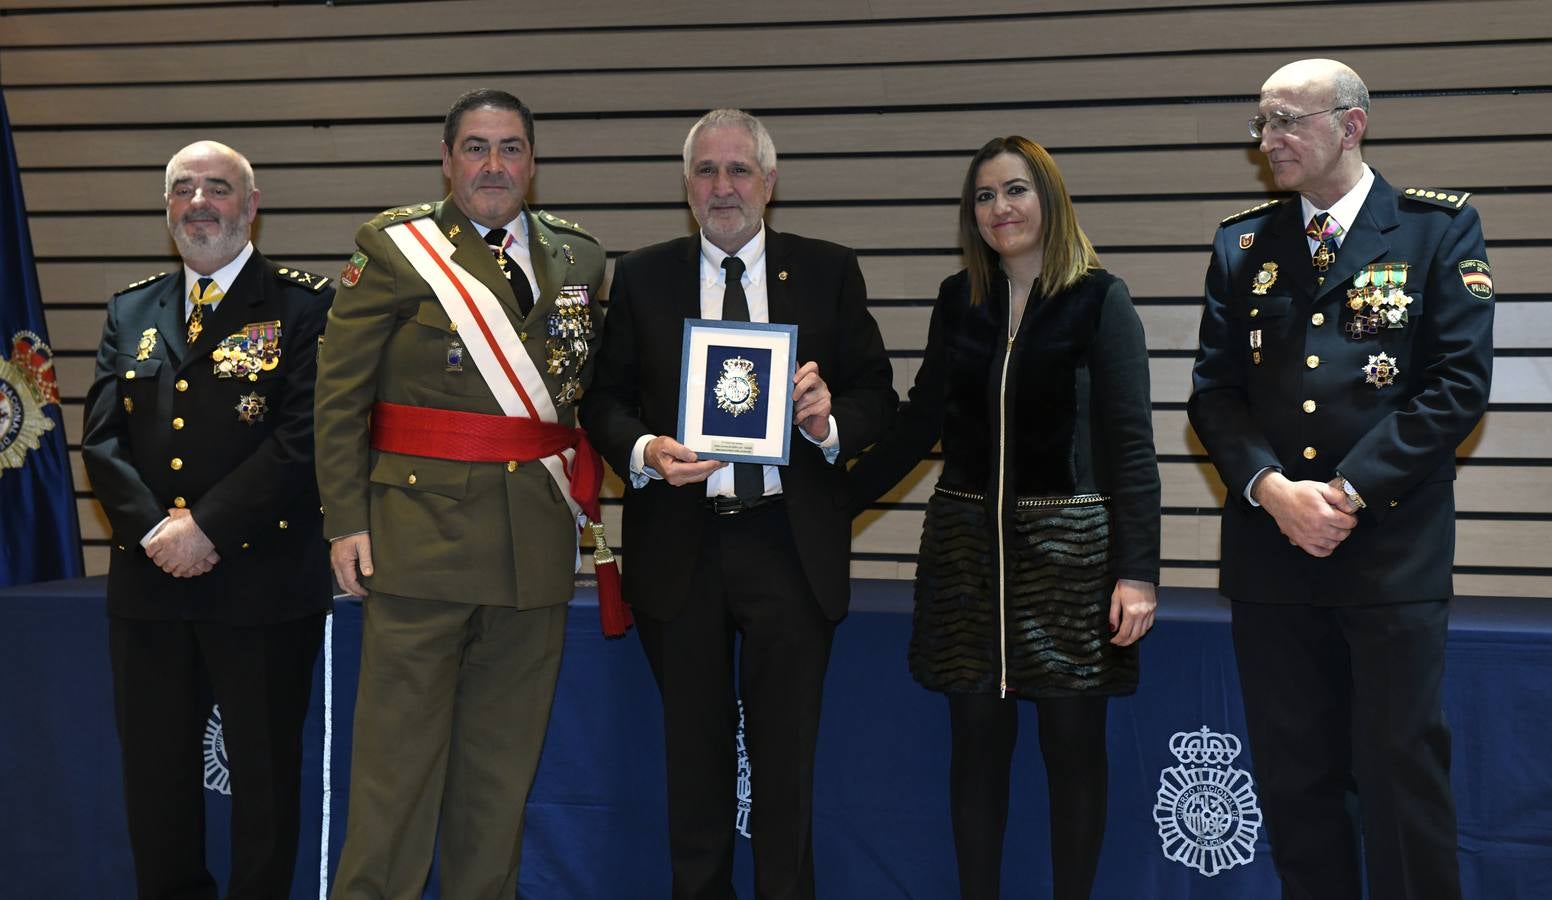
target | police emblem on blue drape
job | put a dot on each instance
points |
(40, 539)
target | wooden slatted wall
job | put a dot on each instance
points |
(875, 106)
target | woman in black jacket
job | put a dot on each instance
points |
(1040, 549)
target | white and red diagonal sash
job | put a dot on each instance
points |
(485, 330)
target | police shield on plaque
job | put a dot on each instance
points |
(735, 390)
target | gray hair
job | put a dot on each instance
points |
(244, 168)
(764, 147)
(1350, 91)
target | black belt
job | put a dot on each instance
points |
(733, 506)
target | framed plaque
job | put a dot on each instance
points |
(735, 390)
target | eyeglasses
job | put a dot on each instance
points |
(1282, 123)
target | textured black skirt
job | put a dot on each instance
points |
(1057, 602)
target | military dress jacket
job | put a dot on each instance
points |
(222, 428)
(813, 284)
(1290, 375)
(494, 533)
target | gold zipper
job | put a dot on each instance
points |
(1002, 454)
(1030, 502)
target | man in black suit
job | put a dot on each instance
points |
(1346, 351)
(712, 550)
(199, 445)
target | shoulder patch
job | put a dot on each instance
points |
(1444, 198)
(401, 214)
(313, 283)
(558, 223)
(1254, 209)
(141, 283)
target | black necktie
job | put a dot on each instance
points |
(497, 239)
(748, 478)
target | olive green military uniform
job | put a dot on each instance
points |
(473, 561)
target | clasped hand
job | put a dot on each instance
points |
(181, 548)
(1315, 516)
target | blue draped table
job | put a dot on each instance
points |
(596, 825)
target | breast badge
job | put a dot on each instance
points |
(147, 344)
(1381, 371)
(1264, 279)
(1377, 299)
(569, 328)
(454, 355)
(251, 408)
(737, 389)
(245, 354)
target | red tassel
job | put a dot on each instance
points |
(613, 614)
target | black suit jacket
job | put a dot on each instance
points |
(249, 484)
(1306, 407)
(813, 284)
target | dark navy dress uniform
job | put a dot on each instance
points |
(1341, 658)
(167, 428)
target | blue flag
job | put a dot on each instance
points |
(40, 539)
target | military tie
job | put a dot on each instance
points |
(201, 294)
(748, 478)
(1324, 230)
(497, 239)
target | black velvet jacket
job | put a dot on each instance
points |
(1076, 404)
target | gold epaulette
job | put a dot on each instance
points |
(401, 214)
(314, 283)
(555, 221)
(1446, 199)
(141, 283)
(1254, 209)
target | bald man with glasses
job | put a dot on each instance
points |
(1346, 351)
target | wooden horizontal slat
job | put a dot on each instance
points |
(319, 19)
(865, 227)
(1124, 79)
(1515, 380)
(733, 44)
(962, 131)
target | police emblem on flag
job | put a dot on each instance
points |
(26, 387)
(218, 775)
(1206, 809)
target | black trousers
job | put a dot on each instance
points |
(261, 676)
(748, 583)
(1346, 721)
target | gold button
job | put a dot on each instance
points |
(511, 465)
(180, 502)
(245, 545)
(1395, 503)
(412, 478)
(284, 524)
(1318, 319)
(453, 326)
(1312, 361)
(1309, 452)
(176, 463)
(1309, 406)
(177, 423)
(130, 375)
(1255, 312)
(181, 385)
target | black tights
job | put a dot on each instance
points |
(1072, 743)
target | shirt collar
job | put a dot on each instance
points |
(752, 253)
(223, 277)
(518, 228)
(1345, 210)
